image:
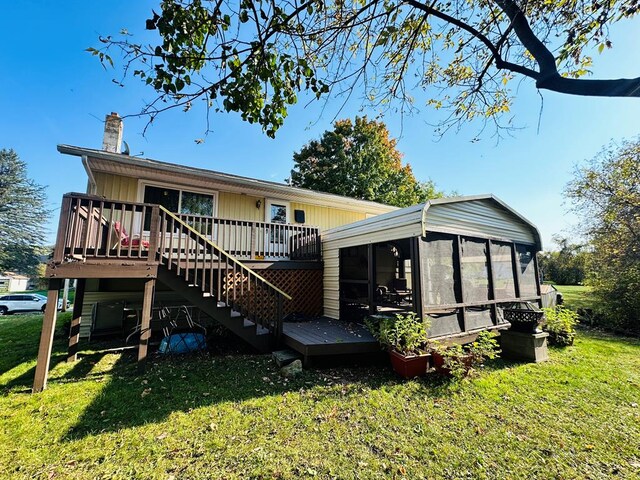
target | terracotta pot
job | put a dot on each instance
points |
(409, 366)
(438, 363)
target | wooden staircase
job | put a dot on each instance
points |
(257, 336)
(219, 284)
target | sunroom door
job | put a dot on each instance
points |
(277, 213)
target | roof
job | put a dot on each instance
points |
(418, 219)
(138, 167)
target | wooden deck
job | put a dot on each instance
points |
(326, 336)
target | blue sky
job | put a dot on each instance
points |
(54, 92)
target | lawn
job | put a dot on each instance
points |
(232, 416)
(576, 296)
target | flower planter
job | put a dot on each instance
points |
(409, 366)
(523, 320)
(438, 363)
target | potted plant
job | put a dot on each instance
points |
(405, 338)
(457, 360)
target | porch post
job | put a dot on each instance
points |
(74, 331)
(46, 337)
(145, 327)
(371, 262)
(253, 241)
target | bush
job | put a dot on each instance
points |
(404, 333)
(561, 325)
(460, 361)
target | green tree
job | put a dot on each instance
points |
(22, 215)
(606, 194)
(565, 266)
(254, 57)
(359, 160)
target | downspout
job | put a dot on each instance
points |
(92, 181)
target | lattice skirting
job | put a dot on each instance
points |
(304, 287)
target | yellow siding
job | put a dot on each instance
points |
(232, 205)
(240, 207)
(116, 187)
(326, 217)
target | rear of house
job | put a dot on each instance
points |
(151, 242)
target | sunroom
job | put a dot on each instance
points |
(460, 261)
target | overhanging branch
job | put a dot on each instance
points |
(548, 78)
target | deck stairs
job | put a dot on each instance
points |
(221, 286)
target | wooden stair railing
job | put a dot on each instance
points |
(217, 274)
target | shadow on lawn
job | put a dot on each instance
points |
(181, 384)
(185, 383)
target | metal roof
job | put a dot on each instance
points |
(418, 219)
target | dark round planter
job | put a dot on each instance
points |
(409, 366)
(528, 326)
(523, 320)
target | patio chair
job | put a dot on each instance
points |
(124, 240)
(400, 290)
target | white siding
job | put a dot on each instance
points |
(331, 257)
(484, 218)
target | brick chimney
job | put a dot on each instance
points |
(112, 140)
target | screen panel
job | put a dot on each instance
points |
(502, 265)
(475, 270)
(528, 285)
(438, 269)
(446, 323)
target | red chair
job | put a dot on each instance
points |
(123, 239)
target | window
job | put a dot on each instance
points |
(437, 259)
(179, 201)
(277, 211)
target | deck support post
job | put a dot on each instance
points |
(145, 327)
(46, 337)
(76, 319)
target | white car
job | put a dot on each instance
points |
(24, 302)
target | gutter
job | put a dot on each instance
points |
(92, 181)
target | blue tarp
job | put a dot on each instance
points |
(183, 343)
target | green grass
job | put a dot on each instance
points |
(576, 296)
(232, 416)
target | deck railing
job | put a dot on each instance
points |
(219, 275)
(258, 240)
(94, 227)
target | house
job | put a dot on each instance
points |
(148, 237)
(12, 282)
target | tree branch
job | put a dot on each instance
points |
(549, 78)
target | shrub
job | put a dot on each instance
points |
(460, 361)
(561, 325)
(405, 333)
